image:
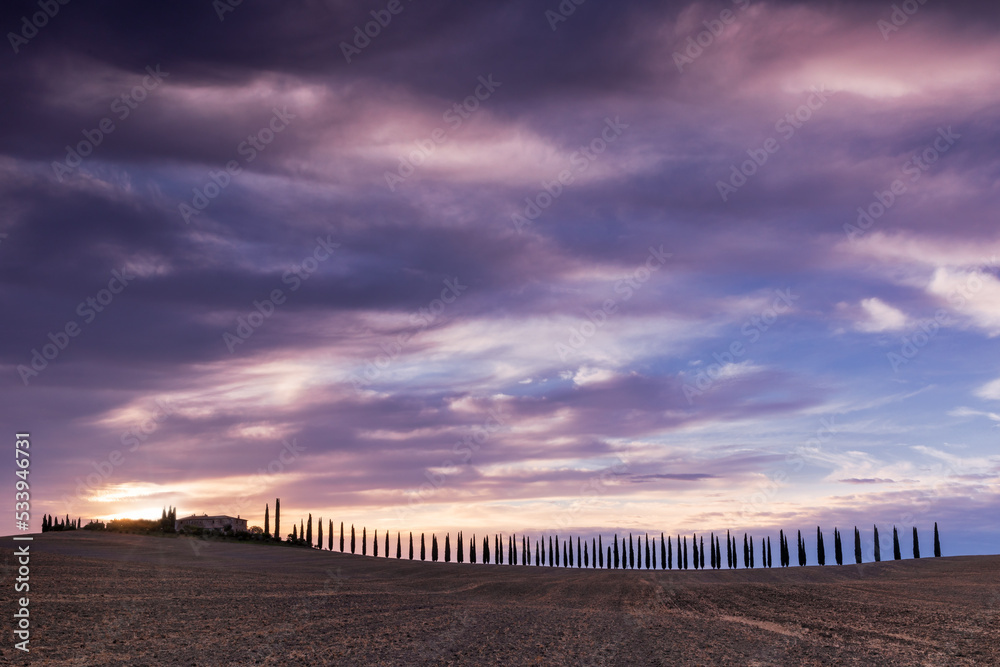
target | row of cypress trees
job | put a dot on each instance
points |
(629, 555)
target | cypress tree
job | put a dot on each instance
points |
(352, 538)
(896, 554)
(513, 551)
(916, 544)
(472, 549)
(937, 542)
(631, 552)
(447, 547)
(277, 520)
(579, 556)
(341, 530)
(497, 552)
(319, 530)
(423, 548)
(309, 532)
(537, 557)
(857, 546)
(364, 541)
(295, 536)
(670, 553)
(729, 551)
(566, 563)
(647, 551)
(746, 551)
(685, 552)
(387, 544)
(302, 532)
(570, 564)
(375, 545)
(586, 558)
(267, 522)
(781, 548)
(711, 543)
(820, 549)
(609, 557)
(663, 552)
(411, 545)
(694, 550)
(838, 550)
(460, 543)
(399, 546)
(434, 548)
(329, 536)
(542, 550)
(616, 551)
(600, 551)
(878, 547)
(769, 551)
(802, 550)
(751, 552)
(701, 553)
(593, 553)
(486, 551)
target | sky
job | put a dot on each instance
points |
(530, 267)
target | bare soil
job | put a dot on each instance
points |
(99, 599)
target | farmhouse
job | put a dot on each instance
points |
(206, 522)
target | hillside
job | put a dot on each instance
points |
(111, 599)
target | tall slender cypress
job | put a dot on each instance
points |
(551, 557)
(701, 553)
(631, 553)
(670, 553)
(570, 564)
(277, 520)
(352, 538)
(878, 547)
(329, 537)
(586, 556)
(399, 546)
(486, 551)
(711, 543)
(729, 551)
(578, 554)
(341, 530)
(375, 544)
(746, 551)
(538, 561)
(309, 531)
(461, 547)
(685, 552)
(751, 552)
(423, 547)
(663, 552)
(802, 550)
(319, 530)
(916, 543)
(838, 550)
(609, 557)
(820, 548)
(600, 551)
(937, 542)
(694, 549)
(616, 551)
(447, 547)
(387, 544)
(295, 535)
(472, 549)
(566, 563)
(896, 554)
(857, 546)
(364, 541)
(434, 548)
(411, 545)
(267, 522)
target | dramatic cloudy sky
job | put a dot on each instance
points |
(658, 342)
